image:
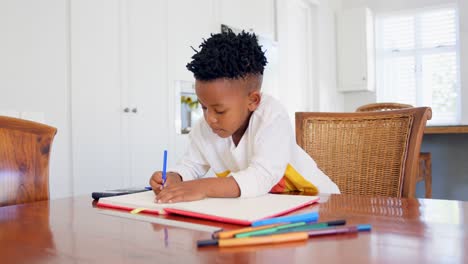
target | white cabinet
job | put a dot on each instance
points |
(126, 57)
(118, 92)
(355, 41)
(96, 110)
(145, 71)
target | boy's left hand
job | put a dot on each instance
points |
(182, 192)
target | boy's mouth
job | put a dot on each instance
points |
(217, 130)
(221, 133)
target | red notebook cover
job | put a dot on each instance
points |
(231, 220)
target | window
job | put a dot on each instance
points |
(418, 61)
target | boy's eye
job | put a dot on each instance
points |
(219, 112)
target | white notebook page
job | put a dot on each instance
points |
(247, 209)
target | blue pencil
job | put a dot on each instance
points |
(164, 168)
(307, 217)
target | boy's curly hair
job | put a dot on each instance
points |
(228, 55)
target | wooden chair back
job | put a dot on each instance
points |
(366, 153)
(24, 160)
(425, 162)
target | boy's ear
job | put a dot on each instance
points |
(254, 100)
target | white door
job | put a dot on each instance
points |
(147, 88)
(96, 95)
(119, 108)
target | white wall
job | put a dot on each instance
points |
(297, 84)
(36, 57)
(321, 93)
(179, 54)
(463, 16)
(330, 100)
(34, 74)
(354, 99)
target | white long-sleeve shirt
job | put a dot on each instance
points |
(267, 158)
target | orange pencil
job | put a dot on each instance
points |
(248, 241)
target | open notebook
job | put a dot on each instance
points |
(242, 211)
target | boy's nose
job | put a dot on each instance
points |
(211, 118)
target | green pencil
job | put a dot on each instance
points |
(290, 228)
(268, 231)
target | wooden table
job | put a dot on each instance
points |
(460, 129)
(73, 231)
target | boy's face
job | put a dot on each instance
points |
(227, 104)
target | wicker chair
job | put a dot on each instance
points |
(24, 160)
(425, 162)
(371, 153)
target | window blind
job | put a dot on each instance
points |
(418, 61)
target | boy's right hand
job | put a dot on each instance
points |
(156, 180)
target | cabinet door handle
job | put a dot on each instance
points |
(135, 110)
(126, 110)
(364, 78)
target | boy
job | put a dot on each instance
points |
(246, 137)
